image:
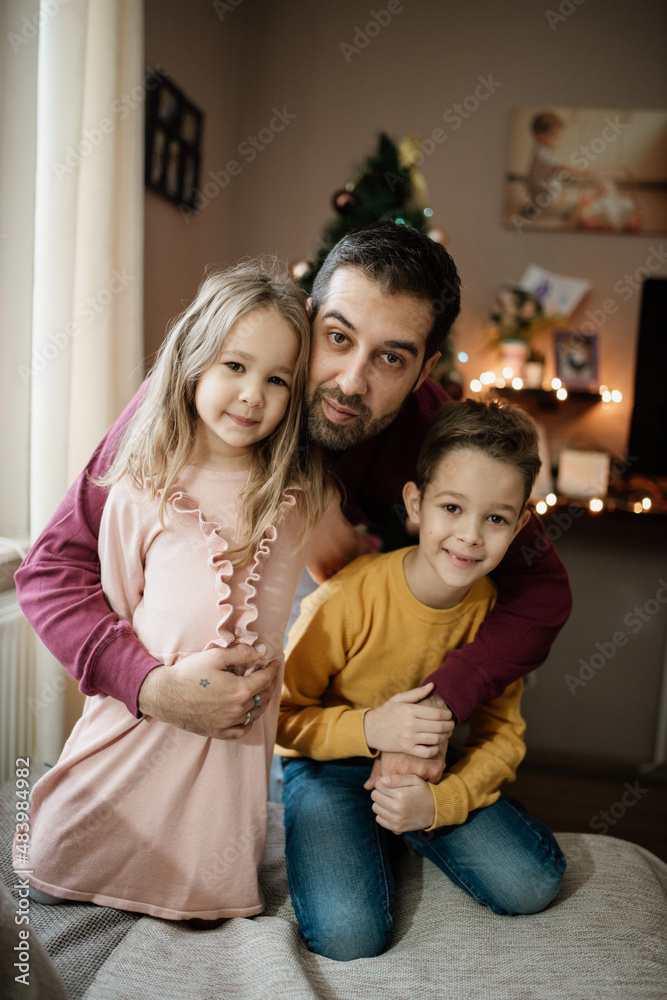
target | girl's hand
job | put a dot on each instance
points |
(403, 802)
(405, 725)
(335, 542)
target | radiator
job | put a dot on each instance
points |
(17, 685)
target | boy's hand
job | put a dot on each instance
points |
(430, 769)
(407, 725)
(402, 803)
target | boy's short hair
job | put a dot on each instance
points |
(545, 122)
(501, 431)
(402, 261)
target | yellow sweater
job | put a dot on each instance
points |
(361, 638)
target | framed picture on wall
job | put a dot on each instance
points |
(587, 170)
(174, 128)
(577, 359)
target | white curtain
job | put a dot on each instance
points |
(71, 329)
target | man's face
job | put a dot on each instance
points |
(366, 358)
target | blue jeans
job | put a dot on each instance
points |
(339, 859)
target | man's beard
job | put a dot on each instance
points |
(340, 437)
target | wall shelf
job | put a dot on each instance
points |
(546, 399)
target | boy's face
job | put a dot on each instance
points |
(471, 511)
(367, 356)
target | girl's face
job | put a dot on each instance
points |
(243, 397)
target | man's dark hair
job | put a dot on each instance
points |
(503, 432)
(402, 261)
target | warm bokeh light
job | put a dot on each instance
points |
(500, 383)
(637, 507)
(299, 269)
(508, 372)
(551, 499)
(561, 394)
(606, 396)
(556, 383)
(517, 383)
(541, 507)
(616, 396)
(596, 505)
(476, 385)
(646, 503)
(487, 378)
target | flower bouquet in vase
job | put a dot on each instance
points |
(517, 317)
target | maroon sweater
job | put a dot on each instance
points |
(60, 592)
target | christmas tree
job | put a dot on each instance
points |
(388, 187)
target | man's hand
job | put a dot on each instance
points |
(409, 723)
(402, 803)
(431, 769)
(201, 695)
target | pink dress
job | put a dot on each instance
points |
(138, 814)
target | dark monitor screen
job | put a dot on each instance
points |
(648, 430)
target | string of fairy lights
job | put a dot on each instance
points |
(637, 501)
(508, 380)
(597, 504)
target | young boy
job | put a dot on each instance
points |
(363, 643)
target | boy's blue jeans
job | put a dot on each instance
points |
(339, 859)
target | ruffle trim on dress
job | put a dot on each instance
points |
(223, 568)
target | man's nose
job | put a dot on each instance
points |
(353, 377)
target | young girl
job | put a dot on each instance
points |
(213, 493)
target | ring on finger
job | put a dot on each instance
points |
(247, 718)
(258, 701)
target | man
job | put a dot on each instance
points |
(382, 303)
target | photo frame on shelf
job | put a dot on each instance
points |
(174, 129)
(577, 364)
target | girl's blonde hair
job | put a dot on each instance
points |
(161, 435)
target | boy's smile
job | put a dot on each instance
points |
(470, 512)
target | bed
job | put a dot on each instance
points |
(605, 936)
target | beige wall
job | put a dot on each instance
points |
(189, 42)
(607, 53)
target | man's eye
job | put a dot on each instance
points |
(234, 366)
(393, 359)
